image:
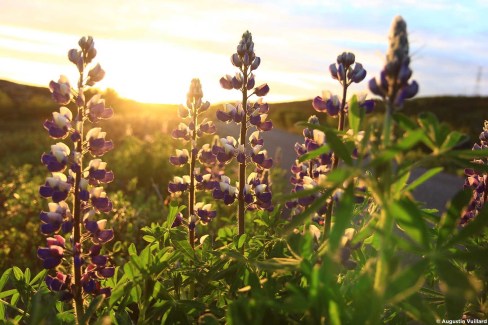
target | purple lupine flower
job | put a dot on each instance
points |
(329, 103)
(207, 127)
(179, 184)
(180, 159)
(57, 159)
(56, 187)
(60, 125)
(61, 90)
(57, 218)
(205, 212)
(98, 173)
(96, 229)
(260, 157)
(95, 75)
(227, 149)
(224, 191)
(262, 90)
(60, 283)
(97, 110)
(98, 146)
(181, 132)
(52, 255)
(178, 220)
(205, 155)
(100, 200)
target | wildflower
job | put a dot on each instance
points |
(393, 82)
(97, 110)
(61, 90)
(57, 159)
(246, 114)
(83, 184)
(60, 125)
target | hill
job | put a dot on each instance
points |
(23, 102)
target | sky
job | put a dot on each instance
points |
(151, 49)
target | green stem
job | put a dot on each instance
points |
(17, 309)
(335, 161)
(242, 166)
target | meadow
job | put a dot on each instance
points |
(339, 239)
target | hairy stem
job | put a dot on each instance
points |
(77, 288)
(191, 195)
(242, 166)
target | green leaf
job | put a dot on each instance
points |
(7, 293)
(132, 249)
(334, 313)
(409, 217)
(324, 149)
(343, 214)
(279, 264)
(27, 275)
(242, 240)
(92, 308)
(18, 274)
(173, 211)
(423, 178)
(339, 148)
(405, 122)
(411, 139)
(468, 154)
(416, 307)
(184, 247)
(355, 114)
(453, 139)
(4, 278)
(450, 218)
(407, 282)
(40, 276)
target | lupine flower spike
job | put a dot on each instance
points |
(72, 182)
(254, 191)
(308, 174)
(477, 181)
(393, 83)
(199, 178)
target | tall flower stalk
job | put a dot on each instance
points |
(394, 87)
(81, 184)
(255, 191)
(308, 174)
(197, 212)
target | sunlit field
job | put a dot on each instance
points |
(200, 182)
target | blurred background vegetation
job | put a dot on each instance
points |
(140, 160)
